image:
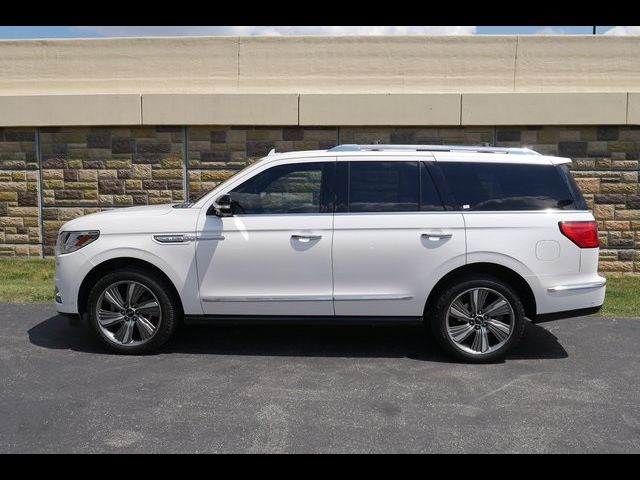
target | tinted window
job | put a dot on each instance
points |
(581, 204)
(293, 188)
(384, 187)
(429, 197)
(498, 186)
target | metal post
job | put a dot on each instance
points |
(40, 188)
(185, 163)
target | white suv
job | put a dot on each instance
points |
(473, 241)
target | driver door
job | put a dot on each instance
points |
(273, 255)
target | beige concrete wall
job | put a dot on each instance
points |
(351, 64)
(118, 65)
(577, 64)
(469, 80)
(377, 64)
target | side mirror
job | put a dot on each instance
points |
(221, 206)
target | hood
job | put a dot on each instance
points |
(125, 218)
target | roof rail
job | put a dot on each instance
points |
(431, 148)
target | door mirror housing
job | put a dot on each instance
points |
(221, 206)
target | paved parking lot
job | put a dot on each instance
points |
(571, 386)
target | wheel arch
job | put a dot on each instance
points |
(514, 279)
(117, 264)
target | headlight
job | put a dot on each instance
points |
(71, 241)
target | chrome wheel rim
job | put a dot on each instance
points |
(480, 321)
(128, 313)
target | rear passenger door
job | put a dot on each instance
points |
(393, 237)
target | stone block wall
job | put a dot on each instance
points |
(216, 153)
(85, 170)
(51, 175)
(20, 219)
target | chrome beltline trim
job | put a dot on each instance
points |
(307, 298)
(283, 298)
(578, 286)
(358, 298)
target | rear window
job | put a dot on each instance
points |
(581, 204)
(500, 186)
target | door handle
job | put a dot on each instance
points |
(306, 238)
(436, 235)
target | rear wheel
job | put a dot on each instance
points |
(132, 312)
(478, 319)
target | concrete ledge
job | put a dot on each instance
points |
(633, 109)
(69, 110)
(544, 109)
(220, 109)
(372, 109)
(413, 109)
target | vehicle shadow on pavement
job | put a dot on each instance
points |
(412, 342)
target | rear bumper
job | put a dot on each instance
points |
(570, 293)
(568, 300)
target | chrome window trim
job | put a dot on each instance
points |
(465, 212)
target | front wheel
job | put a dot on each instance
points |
(478, 319)
(132, 312)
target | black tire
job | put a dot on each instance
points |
(438, 317)
(170, 308)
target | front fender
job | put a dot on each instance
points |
(177, 262)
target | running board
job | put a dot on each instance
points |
(298, 320)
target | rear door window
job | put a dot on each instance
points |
(384, 187)
(501, 186)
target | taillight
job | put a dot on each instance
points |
(583, 234)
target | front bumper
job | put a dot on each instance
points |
(71, 269)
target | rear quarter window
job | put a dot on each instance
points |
(500, 186)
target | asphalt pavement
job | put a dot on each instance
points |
(571, 386)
